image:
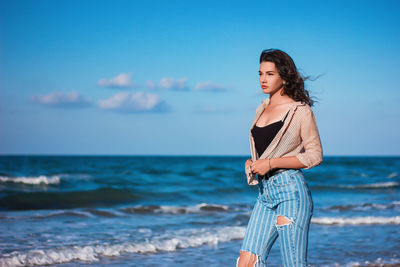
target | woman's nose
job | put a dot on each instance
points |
(263, 78)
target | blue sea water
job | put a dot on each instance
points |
(184, 211)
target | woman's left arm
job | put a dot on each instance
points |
(291, 162)
(312, 154)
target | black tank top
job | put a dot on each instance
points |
(263, 136)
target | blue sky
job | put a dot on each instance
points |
(181, 77)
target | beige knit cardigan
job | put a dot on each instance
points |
(298, 137)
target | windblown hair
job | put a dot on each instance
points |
(294, 86)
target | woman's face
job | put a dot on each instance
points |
(270, 80)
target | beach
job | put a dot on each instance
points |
(185, 211)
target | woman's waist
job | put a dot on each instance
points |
(271, 173)
(274, 172)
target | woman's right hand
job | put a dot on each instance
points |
(248, 163)
(247, 168)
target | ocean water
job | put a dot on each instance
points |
(184, 211)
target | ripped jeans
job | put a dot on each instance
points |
(284, 194)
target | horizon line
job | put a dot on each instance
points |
(186, 155)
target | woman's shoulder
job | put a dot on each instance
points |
(303, 110)
(302, 106)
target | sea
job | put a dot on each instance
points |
(185, 211)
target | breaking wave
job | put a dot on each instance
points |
(367, 220)
(381, 185)
(92, 253)
(373, 185)
(176, 209)
(42, 179)
(365, 206)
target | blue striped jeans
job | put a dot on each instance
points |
(284, 194)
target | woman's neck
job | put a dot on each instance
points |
(279, 98)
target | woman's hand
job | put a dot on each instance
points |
(260, 166)
(247, 167)
(248, 163)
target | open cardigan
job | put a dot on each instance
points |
(298, 137)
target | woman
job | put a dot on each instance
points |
(283, 139)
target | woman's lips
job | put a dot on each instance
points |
(264, 87)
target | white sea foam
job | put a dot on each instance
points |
(168, 242)
(392, 175)
(176, 209)
(193, 209)
(372, 185)
(42, 179)
(375, 206)
(377, 262)
(356, 220)
(80, 176)
(366, 206)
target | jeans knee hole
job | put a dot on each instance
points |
(282, 221)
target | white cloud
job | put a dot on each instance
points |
(122, 80)
(59, 99)
(131, 103)
(169, 83)
(210, 87)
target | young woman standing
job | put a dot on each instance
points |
(283, 139)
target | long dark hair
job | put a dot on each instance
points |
(294, 86)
